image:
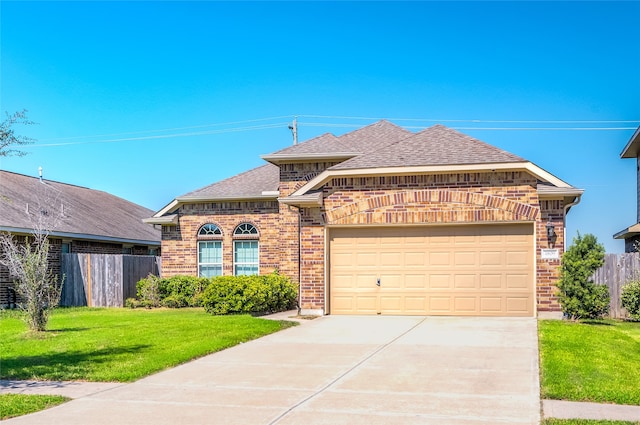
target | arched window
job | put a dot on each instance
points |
(209, 251)
(209, 229)
(246, 258)
(245, 229)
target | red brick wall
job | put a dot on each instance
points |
(180, 243)
(423, 199)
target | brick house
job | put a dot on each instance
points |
(631, 234)
(88, 221)
(382, 220)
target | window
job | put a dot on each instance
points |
(245, 257)
(210, 229)
(209, 251)
(65, 247)
(245, 229)
(209, 258)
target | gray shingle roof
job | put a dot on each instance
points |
(245, 185)
(86, 211)
(374, 136)
(437, 145)
(325, 143)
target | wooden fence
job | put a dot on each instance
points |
(103, 280)
(617, 270)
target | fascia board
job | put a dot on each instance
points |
(627, 152)
(170, 206)
(83, 236)
(629, 231)
(283, 158)
(326, 175)
(226, 198)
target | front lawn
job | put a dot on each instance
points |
(12, 405)
(593, 361)
(119, 345)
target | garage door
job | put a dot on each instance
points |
(482, 270)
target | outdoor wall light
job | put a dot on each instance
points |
(550, 230)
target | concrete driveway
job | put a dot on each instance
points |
(339, 370)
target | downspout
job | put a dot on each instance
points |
(299, 261)
(576, 201)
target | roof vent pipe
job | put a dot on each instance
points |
(40, 173)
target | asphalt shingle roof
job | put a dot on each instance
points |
(244, 185)
(437, 145)
(325, 143)
(374, 136)
(85, 211)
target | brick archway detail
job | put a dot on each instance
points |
(471, 207)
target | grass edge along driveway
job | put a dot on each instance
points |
(119, 345)
(593, 361)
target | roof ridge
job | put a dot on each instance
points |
(50, 181)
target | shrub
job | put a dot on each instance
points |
(148, 291)
(182, 291)
(579, 296)
(631, 299)
(174, 292)
(131, 303)
(249, 294)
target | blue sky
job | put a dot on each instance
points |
(150, 100)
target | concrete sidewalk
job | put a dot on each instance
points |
(561, 409)
(338, 370)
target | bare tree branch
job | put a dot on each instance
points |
(27, 257)
(8, 136)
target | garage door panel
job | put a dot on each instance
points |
(439, 270)
(491, 258)
(439, 258)
(464, 304)
(439, 304)
(517, 281)
(491, 281)
(490, 305)
(440, 281)
(464, 281)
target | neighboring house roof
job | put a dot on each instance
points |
(84, 213)
(437, 145)
(632, 149)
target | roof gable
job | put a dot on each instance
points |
(252, 183)
(325, 143)
(86, 211)
(437, 145)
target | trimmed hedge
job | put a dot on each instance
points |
(219, 295)
(249, 294)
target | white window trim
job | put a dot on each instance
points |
(234, 255)
(211, 264)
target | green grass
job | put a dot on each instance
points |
(12, 405)
(584, 422)
(592, 361)
(119, 345)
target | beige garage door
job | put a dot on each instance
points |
(482, 270)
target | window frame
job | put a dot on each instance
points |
(210, 264)
(237, 263)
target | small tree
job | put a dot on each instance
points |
(9, 139)
(630, 299)
(27, 258)
(579, 296)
